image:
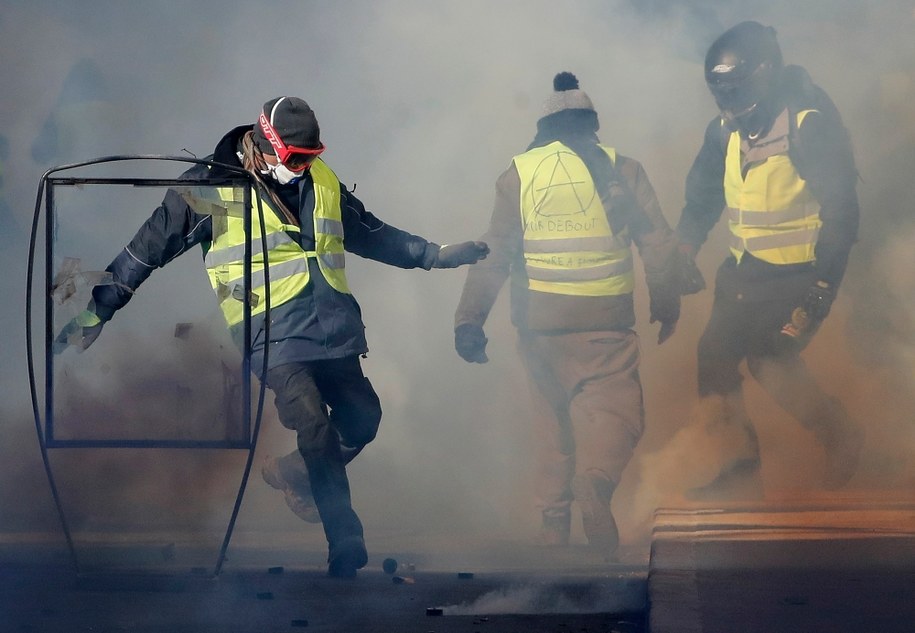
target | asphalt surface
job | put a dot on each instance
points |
(129, 586)
(836, 565)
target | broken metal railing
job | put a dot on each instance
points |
(55, 284)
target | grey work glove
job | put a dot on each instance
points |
(470, 343)
(454, 255)
(691, 279)
(80, 332)
(664, 307)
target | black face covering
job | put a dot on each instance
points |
(747, 104)
(754, 122)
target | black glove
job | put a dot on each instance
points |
(80, 332)
(805, 319)
(459, 254)
(691, 279)
(470, 343)
(819, 300)
(664, 307)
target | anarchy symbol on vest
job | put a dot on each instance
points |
(553, 183)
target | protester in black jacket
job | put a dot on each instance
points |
(779, 161)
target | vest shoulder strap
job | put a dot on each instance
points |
(620, 204)
(794, 144)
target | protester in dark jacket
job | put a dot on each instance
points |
(316, 330)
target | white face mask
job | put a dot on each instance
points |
(283, 174)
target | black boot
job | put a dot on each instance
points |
(842, 438)
(554, 530)
(342, 527)
(593, 493)
(346, 556)
(739, 478)
(741, 481)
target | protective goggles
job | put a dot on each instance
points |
(294, 158)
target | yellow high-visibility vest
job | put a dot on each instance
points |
(288, 261)
(569, 247)
(771, 212)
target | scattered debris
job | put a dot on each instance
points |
(70, 280)
(64, 284)
(389, 565)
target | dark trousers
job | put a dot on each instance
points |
(745, 324)
(335, 412)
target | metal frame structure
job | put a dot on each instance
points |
(238, 177)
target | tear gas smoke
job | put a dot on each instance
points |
(547, 598)
(422, 105)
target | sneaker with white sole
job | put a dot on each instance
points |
(300, 501)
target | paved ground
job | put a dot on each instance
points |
(48, 599)
(831, 565)
(271, 589)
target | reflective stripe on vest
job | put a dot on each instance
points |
(771, 212)
(288, 273)
(569, 248)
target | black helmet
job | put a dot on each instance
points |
(741, 70)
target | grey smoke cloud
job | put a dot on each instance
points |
(421, 106)
(548, 598)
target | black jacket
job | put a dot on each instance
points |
(823, 157)
(320, 323)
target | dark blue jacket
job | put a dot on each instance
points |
(320, 323)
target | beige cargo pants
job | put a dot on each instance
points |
(587, 406)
